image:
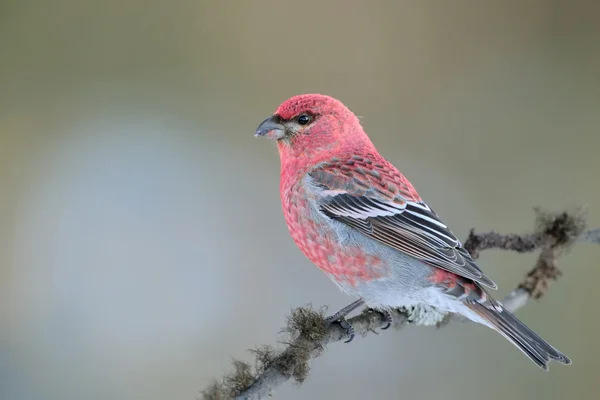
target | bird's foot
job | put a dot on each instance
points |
(386, 315)
(388, 318)
(340, 318)
(345, 325)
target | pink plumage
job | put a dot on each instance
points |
(358, 219)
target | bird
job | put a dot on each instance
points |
(360, 220)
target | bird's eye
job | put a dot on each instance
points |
(303, 119)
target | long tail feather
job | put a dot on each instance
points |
(529, 342)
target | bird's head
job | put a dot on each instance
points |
(313, 127)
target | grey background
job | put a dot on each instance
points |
(142, 243)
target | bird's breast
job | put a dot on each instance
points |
(320, 239)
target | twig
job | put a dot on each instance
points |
(308, 334)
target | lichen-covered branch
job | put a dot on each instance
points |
(307, 334)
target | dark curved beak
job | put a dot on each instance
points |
(271, 128)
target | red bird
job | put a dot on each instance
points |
(355, 216)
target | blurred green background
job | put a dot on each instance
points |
(142, 243)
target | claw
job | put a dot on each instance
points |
(349, 329)
(344, 324)
(388, 318)
(339, 317)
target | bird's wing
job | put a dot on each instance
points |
(370, 195)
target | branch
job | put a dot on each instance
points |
(308, 335)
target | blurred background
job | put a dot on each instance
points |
(142, 243)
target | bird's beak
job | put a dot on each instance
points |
(271, 129)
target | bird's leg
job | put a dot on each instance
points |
(340, 318)
(345, 311)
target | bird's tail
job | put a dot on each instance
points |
(534, 347)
